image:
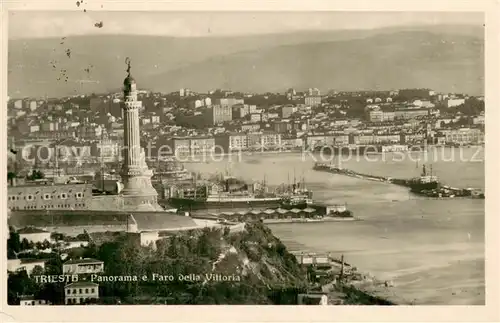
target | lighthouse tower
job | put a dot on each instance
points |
(138, 193)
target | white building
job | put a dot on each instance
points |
(18, 104)
(83, 266)
(16, 265)
(312, 299)
(31, 301)
(33, 234)
(478, 119)
(80, 292)
(454, 102)
(33, 105)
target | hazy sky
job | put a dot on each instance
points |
(39, 24)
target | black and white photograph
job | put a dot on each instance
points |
(322, 158)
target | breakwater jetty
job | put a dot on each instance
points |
(425, 185)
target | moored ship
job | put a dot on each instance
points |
(426, 182)
(227, 193)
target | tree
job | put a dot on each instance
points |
(36, 174)
(13, 244)
(19, 284)
(27, 245)
(37, 271)
(11, 176)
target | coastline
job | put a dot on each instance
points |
(299, 220)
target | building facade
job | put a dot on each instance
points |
(80, 292)
(38, 196)
(312, 100)
(83, 266)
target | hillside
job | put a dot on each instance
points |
(403, 60)
(350, 59)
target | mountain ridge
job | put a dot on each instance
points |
(165, 64)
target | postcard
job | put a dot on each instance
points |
(197, 159)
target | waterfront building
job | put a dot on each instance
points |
(202, 145)
(238, 141)
(463, 135)
(270, 140)
(291, 142)
(319, 140)
(80, 292)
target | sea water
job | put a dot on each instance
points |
(431, 249)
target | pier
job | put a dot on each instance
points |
(427, 186)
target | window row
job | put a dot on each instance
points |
(49, 206)
(77, 300)
(80, 291)
(46, 196)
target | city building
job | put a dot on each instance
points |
(83, 266)
(411, 94)
(30, 300)
(286, 111)
(217, 114)
(410, 113)
(454, 102)
(314, 92)
(478, 119)
(240, 111)
(319, 140)
(282, 126)
(80, 292)
(33, 234)
(39, 196)
(463, 135)
(313, 100)
(229, 101)
(201, 145)
(270, 140)
(255, 117)
(238, 141)
(17, 265)
(291, 142)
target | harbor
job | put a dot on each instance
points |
(402, 238)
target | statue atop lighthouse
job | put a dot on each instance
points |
(138, 193)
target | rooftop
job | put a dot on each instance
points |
(28, 230)
(32, 260)
(83, 261)
(82, 284)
